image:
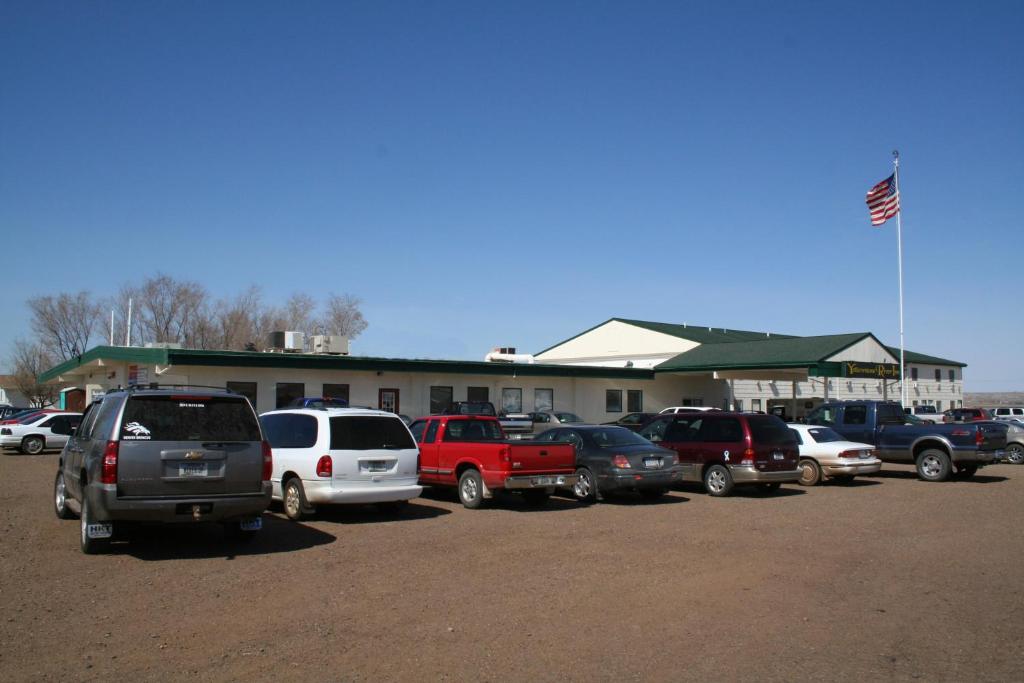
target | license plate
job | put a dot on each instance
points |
(254, 524)
(652, 463)
(99, 530)
(778, 456)
(377, 466)
(864, 455)
(192, 469)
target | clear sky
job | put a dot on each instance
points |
(485, 174)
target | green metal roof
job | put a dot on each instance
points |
(257, 359)
(923, 359)
(789, 352)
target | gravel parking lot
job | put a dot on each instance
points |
(888, 578)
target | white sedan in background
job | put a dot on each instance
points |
(35, 435)
(824, 453)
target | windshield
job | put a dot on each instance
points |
(825, 435)
(616, 436)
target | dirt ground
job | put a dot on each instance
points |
(887, 578)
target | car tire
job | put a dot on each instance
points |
(1015, 454)
(90, 546)
(536, 497)
(33, 445)
(718, 481)
(933, 465)
(471, 489)
(60, 497)
(293, 499)
(652, 494)
(965, 471)
(810, 472)
(585, 488)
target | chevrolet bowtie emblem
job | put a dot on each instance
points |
(193, 455)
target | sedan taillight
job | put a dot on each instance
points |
(621, 461)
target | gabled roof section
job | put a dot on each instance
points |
(129, 354)
(923, 359)
(787, 352)
(698, 334)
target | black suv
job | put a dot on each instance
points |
(164, 455)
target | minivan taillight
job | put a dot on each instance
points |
(108, 474)
(324, 466)
(748, 458)
(268, 461)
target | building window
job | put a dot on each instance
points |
(755, 404)
(511, 400)
(289, 391)
(613, 400)
(543, 399)
(440, 399)
(913, 374)
(938, 375)
(478, 394)
(739, 405)
(938, 406)
(952, 375)
(336, 391)
(634, 401)
(247, 389)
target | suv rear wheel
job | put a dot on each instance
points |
(933, 465)
(718, 481)
(60, 497)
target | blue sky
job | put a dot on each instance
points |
(485, 174)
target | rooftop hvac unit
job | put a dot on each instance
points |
(333, 344)
(287, 342)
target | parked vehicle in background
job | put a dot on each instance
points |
(1014, 452)
(471, 453)
(515, 425)
(965, 415)
(318, 402)
(9, 411)
(543, 420)
(611, 459)
(37, 433)
(633, 421)
(927, 413)
(687, 409)
(166, 456)
(937, 450)
(726, 450)
(339, 455)
(826, 454)
(1007, 413)
(28, 414)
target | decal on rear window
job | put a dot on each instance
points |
(138, 432)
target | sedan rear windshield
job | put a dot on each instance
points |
(825, 435)
(188, 418)
(616, 436)
(770, 430)
(369, 432)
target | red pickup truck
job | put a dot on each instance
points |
(471, 452)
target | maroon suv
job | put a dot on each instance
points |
(729, 449)
(966, 415)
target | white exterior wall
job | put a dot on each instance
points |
(867, 350)
(615, 343)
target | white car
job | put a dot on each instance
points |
(686, 409)
(36, 435)
(824, 453)
(340, 455)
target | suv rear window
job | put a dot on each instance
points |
(369, 432)
(770, 430)
(188, 418)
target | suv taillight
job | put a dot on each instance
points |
(108, 473)
(268, 461)
(748, 458)
(324, 466)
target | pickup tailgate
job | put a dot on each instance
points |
(993, 436)
(542, 458)
(175, 446)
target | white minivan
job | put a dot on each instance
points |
(340, 455)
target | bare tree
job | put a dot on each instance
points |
(27, 361)
(342, 316)
(64, 322)
(238, 321)
(170, 310)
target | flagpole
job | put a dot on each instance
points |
(899, 251)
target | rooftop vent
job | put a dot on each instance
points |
(286, 342)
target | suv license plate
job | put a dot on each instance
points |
(254, 524)
(100, 530)
(778, 456)
(652, 463)
(377, 466)
(192, 469)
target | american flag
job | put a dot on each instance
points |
(883, 200)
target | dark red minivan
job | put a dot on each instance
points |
(729, 449)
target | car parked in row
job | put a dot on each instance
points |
(330, 456)
(164, 456)
(26, 414)
(633, 421)
(1007, 413)
(39, 432)
(826, 454)
(726, 449)
(966, 415)
(686, 409)
(7, 411)
(1014, 452)
(612, 459)
(544, 420)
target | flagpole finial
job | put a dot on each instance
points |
(896, 157)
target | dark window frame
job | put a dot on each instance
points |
(613, 397)
(288, 397)
(438, 406)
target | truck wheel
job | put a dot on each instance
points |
(718, 481)
(933, 465)
(60, 497)
(90, 546)
(471, 489)
(1015, 454)
(33, 445)
(536, 497)
(965, 471)
(294, 499)
(585, 488)
(810, 473)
